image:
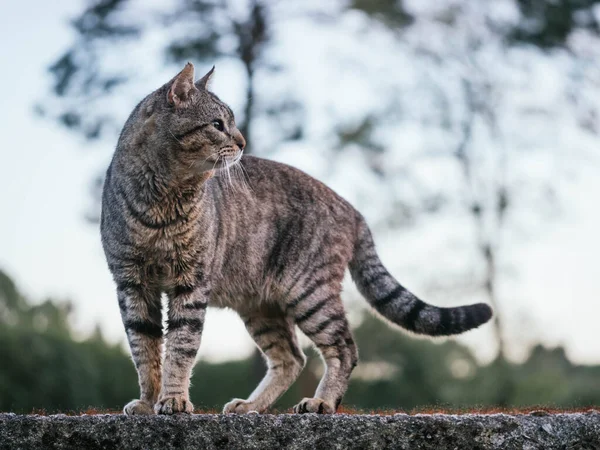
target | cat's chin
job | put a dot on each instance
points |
(227, 162)
(217, 166)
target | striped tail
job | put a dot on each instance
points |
(400, 306)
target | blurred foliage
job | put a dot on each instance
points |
(543, 23)
(44, 367)
(548, 24)
(391, 12)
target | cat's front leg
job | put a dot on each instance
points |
(141, 312)
(187, 309)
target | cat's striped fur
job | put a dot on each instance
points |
(275, 252)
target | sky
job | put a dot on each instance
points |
(50, 250)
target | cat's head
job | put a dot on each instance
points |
(186, 126)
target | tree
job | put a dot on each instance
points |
(45, 368)
(475, 59)
(549, 24)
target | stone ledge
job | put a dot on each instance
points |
(400, 431)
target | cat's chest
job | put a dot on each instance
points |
(170, 241)
(171, 259)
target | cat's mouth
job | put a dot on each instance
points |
(227, 157)
(221, 160)
(229, 154)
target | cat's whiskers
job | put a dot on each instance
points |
(237, 181)
(239, 169)
(242, 183)
(229, 168)
(234, 180)
(228, 172)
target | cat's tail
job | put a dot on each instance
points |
(400, 306)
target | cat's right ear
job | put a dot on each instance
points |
(203, 82)
(182, 87)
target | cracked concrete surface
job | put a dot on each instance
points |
(211, 431)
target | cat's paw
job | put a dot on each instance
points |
(173, 404)
(314, 405)
(239, 406)
(138, 408)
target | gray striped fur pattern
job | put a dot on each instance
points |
(273, 247)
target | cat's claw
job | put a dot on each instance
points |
(239, 406)
(314, 405)
(138, 408)
(173, 405)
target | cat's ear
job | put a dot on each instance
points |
(182, 86)
(202, 82)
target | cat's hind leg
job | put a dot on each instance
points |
(325, 323)
(276, 338)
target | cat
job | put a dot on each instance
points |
(275, 253)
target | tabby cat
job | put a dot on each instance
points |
(274, 252)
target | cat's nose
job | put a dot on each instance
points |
(241, 143)
(239, 140)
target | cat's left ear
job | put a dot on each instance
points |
(182, 87)
(202, 82)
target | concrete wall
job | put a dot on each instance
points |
(440, 432)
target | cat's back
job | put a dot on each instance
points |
(272, 181)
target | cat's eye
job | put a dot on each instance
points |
(218, 124)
